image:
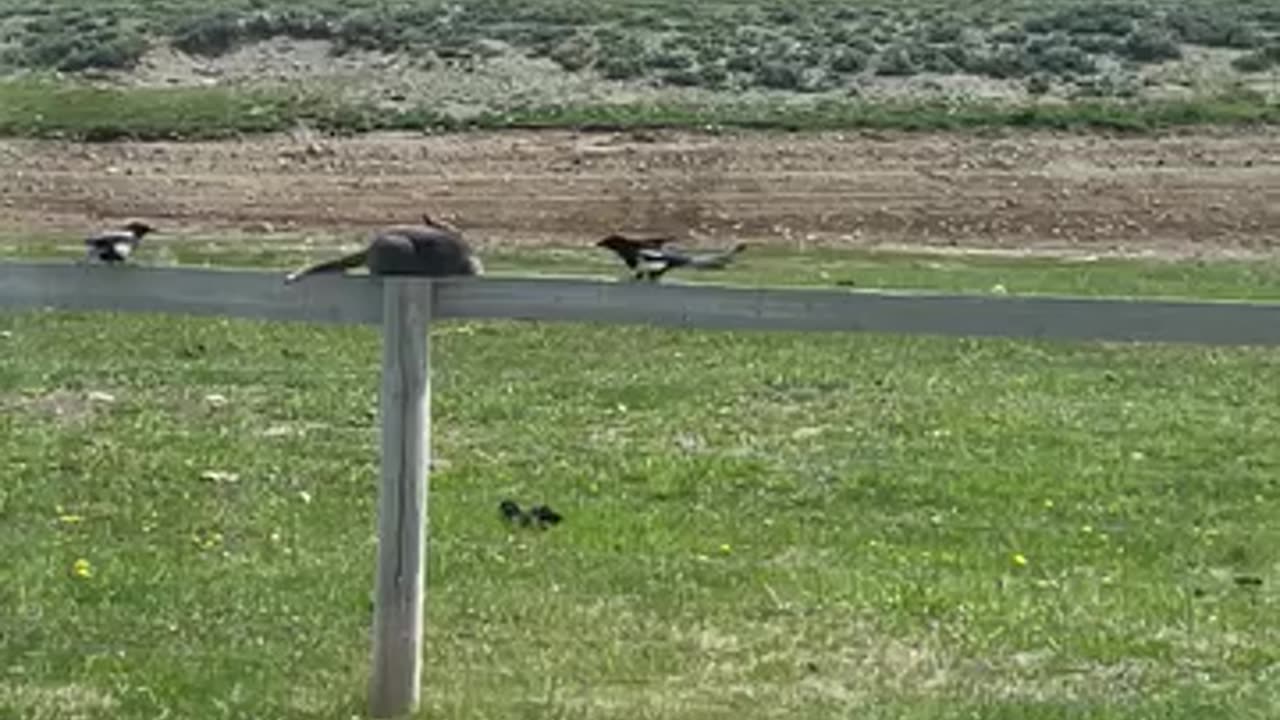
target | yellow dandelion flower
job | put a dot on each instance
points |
(70, 519)
(1019, 559)
(726, 549)
(1048, 504)
(82, 569)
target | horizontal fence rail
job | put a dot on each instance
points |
(359, 300)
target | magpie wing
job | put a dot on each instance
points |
(109, 238)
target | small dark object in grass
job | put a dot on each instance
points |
(512, 513)
(545, 515)
(1248, 581)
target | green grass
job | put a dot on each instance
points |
(41, 108)
(1226, 109)
(81, 112)
(758, 525)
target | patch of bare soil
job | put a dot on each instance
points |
(63, 406)
(1177, 194)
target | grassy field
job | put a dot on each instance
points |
(758, 525)
(498, 63)
(86, 113)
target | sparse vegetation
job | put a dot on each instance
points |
(821, 47)
(1260, 60)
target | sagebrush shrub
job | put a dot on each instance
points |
(1150, 44)
(896, 61)
(779, 75)
(848, 61)
(213, 34)
(1211, 28)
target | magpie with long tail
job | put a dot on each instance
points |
(652, 262)
(115, 246)
(650, 243)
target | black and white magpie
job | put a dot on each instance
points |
(512, 513)
(649, 259)
(545, 516)
(114, 246)
(541, 515)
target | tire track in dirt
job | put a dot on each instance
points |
(1185, 193)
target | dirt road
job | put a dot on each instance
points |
(1176, 194)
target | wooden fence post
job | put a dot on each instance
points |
(405, 410)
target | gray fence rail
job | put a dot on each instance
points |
(333, 299)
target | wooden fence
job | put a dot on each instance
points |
(404, 307)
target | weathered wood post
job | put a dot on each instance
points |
(405, 410)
